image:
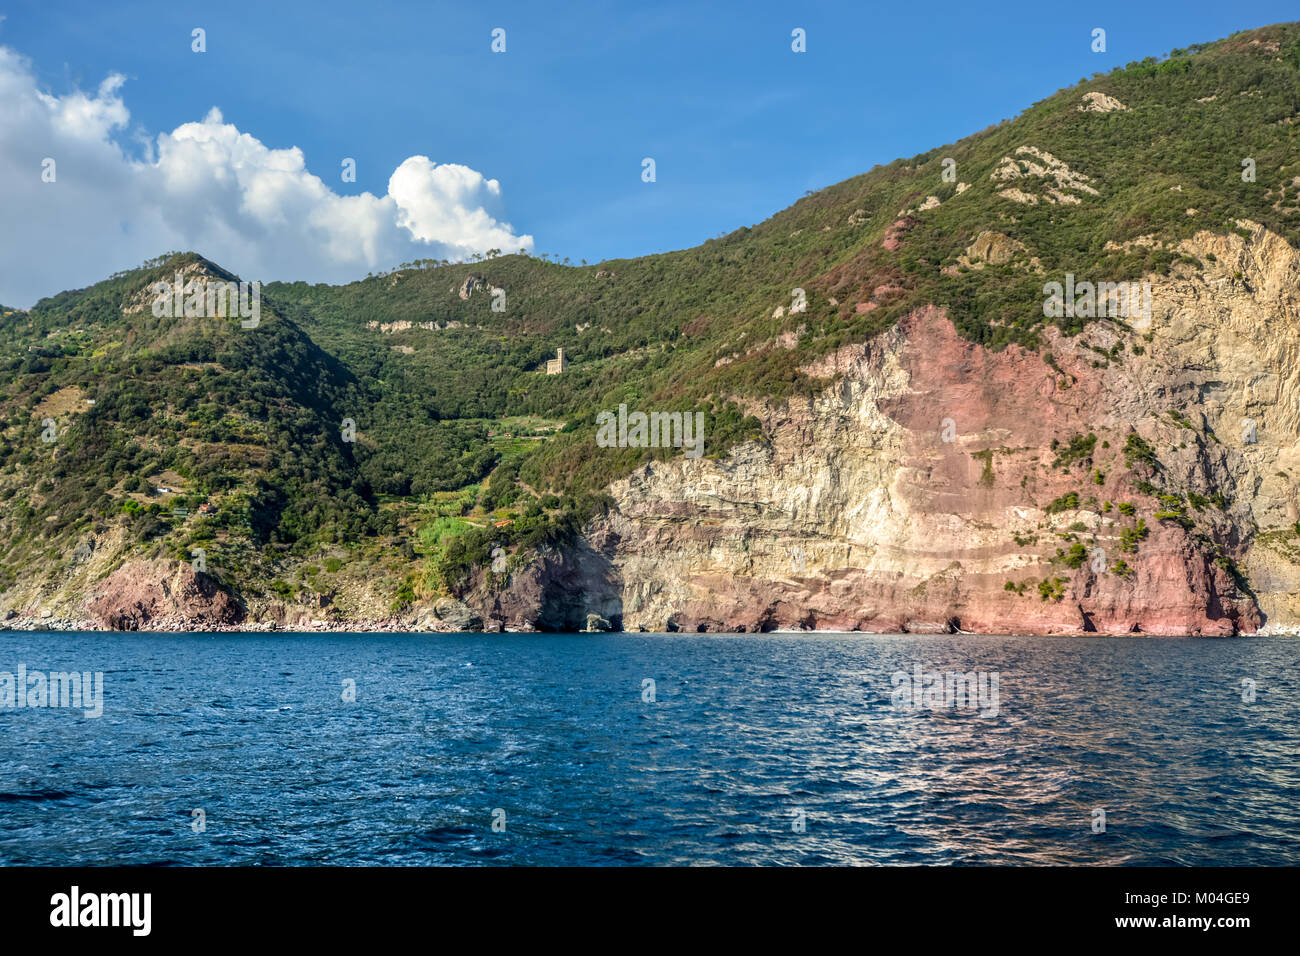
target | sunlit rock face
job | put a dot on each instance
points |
(933, 474)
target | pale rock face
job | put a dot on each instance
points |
(1020, 196)
(471, 285)
(404, 325)
(1095, 102)
(914, 488)
(448, 616)
(142, 301)
(1036, 169)
(994, 248)
(1233, 355)
(930, 202)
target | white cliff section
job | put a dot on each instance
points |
(1231, 337)
(815, 517)
(819, 514)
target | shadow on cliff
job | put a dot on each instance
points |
(586, 584)
(556, 591)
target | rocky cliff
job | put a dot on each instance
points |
(921, 491)
(936, 485)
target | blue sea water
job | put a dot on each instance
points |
(555, 738)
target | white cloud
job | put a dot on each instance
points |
(209, 188)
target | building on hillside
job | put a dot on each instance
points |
(558, 364)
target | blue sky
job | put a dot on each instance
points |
(738, 124)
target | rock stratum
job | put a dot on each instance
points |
(857, 515)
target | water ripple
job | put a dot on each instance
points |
(771, 749)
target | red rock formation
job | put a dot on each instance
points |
(906, 498)
(141, 594)
(893, 235)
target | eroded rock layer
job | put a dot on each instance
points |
(1138, 478)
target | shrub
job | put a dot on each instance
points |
(1138, 451)
(1079, 449)
(1067, 502)
(1130, 537)
(1076, 556)
(1052, 589)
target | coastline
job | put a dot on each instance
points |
(398, 626)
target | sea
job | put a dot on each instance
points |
(804, 749)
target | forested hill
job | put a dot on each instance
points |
(463, 443)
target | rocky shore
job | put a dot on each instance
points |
(413, 625)
(181, 626)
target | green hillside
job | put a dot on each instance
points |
(463, 442)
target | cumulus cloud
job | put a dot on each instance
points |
(207, 187)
